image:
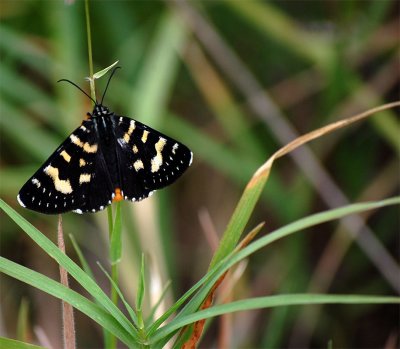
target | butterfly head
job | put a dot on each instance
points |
(100, 110)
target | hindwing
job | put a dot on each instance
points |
(148, 159)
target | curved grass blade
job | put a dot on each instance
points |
(54, 288)
(207, 281)
(14, 344)
(73, 269)
(270, 302)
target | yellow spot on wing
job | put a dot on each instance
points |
(157, 161)
(135, 149)
(84, 178)
(138, 165)
(85, 146)
(127, 135)
(144, 136)
(66, 156)
(61, 185)
(90, 148)
(82, 162)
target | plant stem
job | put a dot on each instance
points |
(90, 56)
(67, 310)
(109, 339)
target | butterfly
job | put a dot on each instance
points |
(107, 158)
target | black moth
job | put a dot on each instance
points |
(108, 158)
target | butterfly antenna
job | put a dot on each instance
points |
(72, 83)
(108, 82)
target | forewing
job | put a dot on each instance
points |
(66, 180)
(148, 159)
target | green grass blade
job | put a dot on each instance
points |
(22, 320)
(116, 237)
(100, 73)
(14, 344)
(154, 83)
(270, 302)
(73, 269)
(130, 310)
(58, 290)
(215, 272)
(84, 263)
(16, 126)
(270, 20)
(239, 219)
(141, 287)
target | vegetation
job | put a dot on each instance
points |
(235, 81)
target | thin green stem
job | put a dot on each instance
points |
(110, 340)
(110, 221)
(90, 56)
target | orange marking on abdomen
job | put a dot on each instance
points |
(118, 195)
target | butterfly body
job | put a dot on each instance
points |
(108, 158)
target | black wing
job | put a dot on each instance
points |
(148, 160)
(74, 177)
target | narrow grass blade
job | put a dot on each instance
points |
(14, 344)
(22, 321)
(58, 290)
(141, 287)
(116, 239)
(73, 269)
(121, 296)
(84, 263)
(104, 71)
(256, 184)
(207, 281)
(270, 302)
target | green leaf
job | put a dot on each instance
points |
(270, 302)
(158, 74)
(58, 290)
(23, 318)
(207, 281)
(72, 268)
(84, 263)
(121, 295)
(14, 344)
(239, 219)
(100, 73)
(116, 237)
(141, 287)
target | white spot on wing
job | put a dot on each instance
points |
(191, 158)
(138, 165)
(20, 201)
(79, 211)
(36, 182)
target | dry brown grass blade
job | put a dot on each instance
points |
(199, 325)
(264, 170)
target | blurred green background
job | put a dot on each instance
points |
(234, 81)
